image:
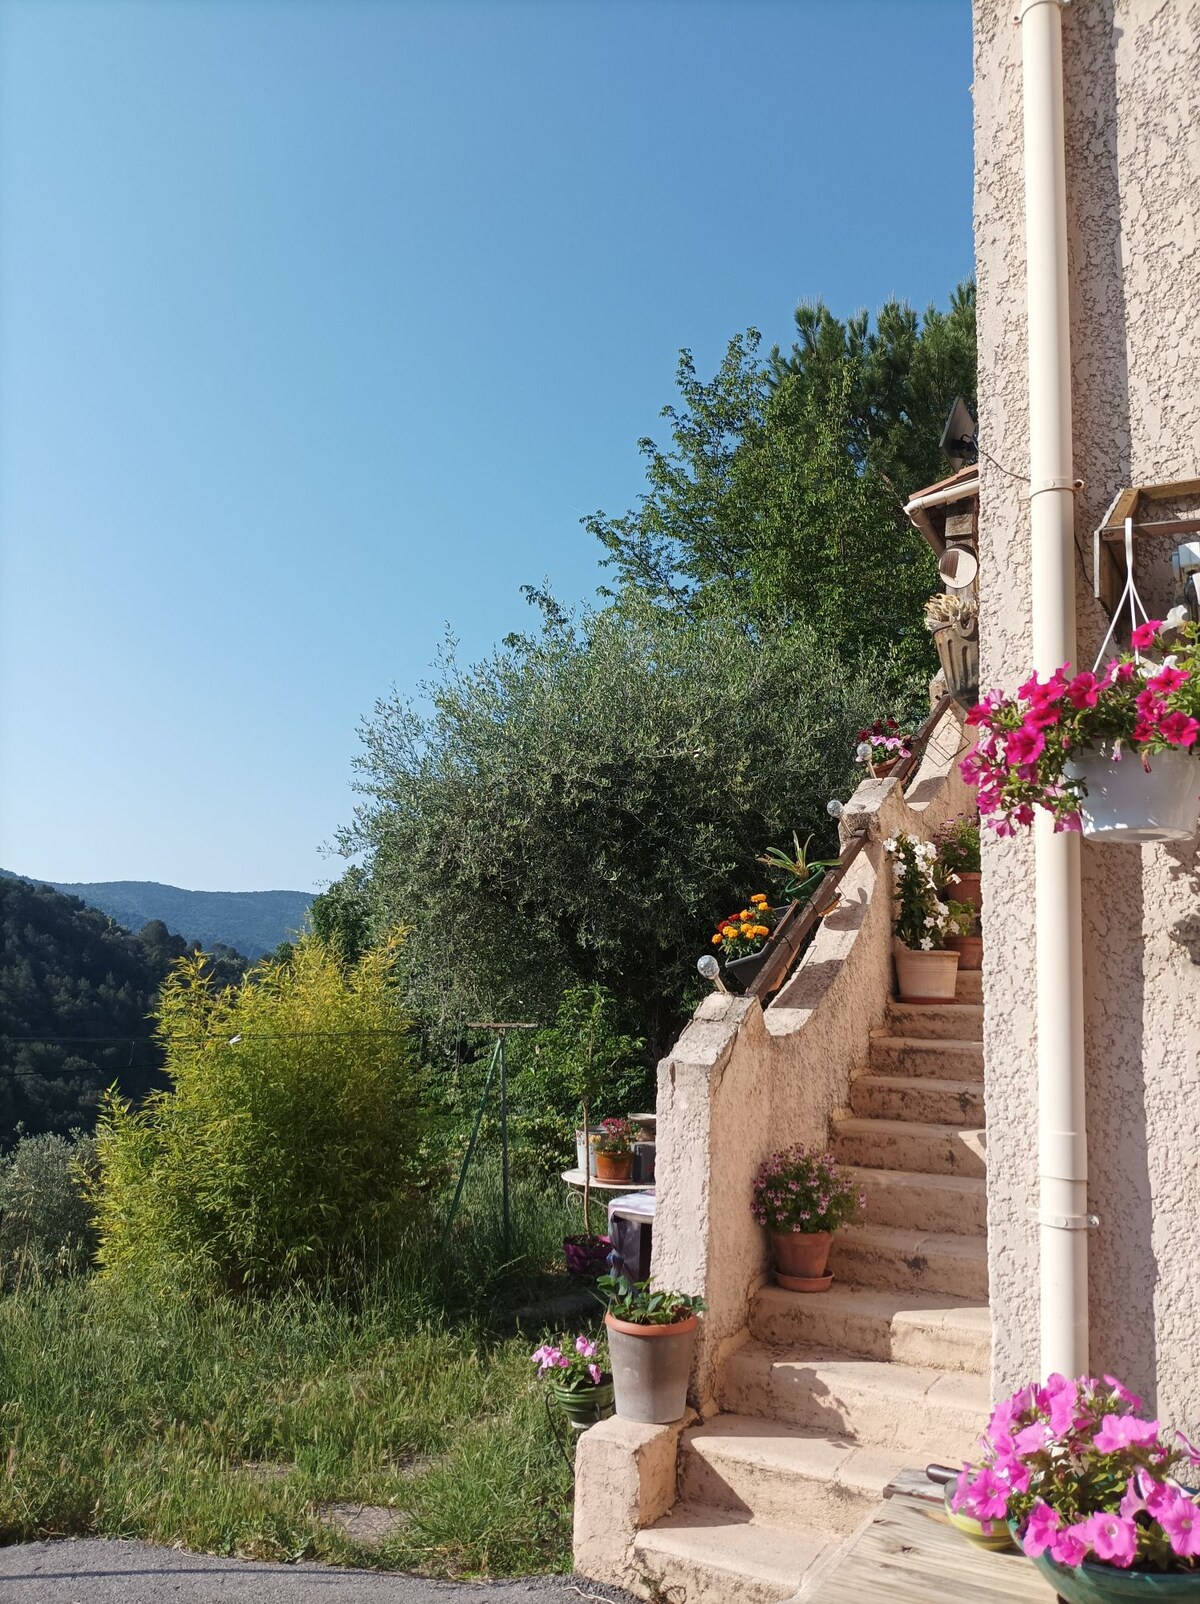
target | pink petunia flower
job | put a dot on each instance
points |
(1025, 746)
(1118, 1432)
(1041, 1529)
(585, 1348)
(1084, 691)
(1168, 679)
(1113, 1537)
(1179, 729)
(595, 1372)
(1180, 1519)
(1071, 1546)
(1145, 635)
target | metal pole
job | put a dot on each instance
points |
(1062, 1118)
(466, 1163)
(504, 1143)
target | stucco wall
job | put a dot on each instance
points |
(741, 1083)
(1132, 71)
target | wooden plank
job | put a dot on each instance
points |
(910, 1554)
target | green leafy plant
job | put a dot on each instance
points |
(641, 1304)
(797, 1190)
(802, 874)
(290, 1145)
(46, 1225)
(957, 845)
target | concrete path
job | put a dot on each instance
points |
(97, 1571)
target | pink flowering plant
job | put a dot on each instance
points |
(796, 1190)
(882, 742)
(1083, 1477)
(575, 1364)
(616, 1135)
(1145, 701)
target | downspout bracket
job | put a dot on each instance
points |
(1068, 1222)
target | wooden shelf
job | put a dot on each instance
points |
(1108, 541)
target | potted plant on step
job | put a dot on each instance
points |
(881, 747)
(803, 1198)
(957, 871)
(651, 1333)
(1097, 1496)
(926, 971)
(966, 938)
(1111, 754)
(577, 1381)
(741, 938)
(614, 1150)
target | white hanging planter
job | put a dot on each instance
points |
(1125, 803)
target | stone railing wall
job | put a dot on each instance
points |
(742, 1082)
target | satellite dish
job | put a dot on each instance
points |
(958, 567)
(958, 437)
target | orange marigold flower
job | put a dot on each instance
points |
(716, 938)
(759, 898)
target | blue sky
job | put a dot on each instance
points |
(322, 324)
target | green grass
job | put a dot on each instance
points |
(222, 1426)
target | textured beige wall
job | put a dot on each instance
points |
(1132, 71)
(741, 1083)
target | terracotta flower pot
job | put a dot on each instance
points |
(613, 1166)
(651, 1365)
(969, 950)
(801, 1258)
(969, 890)
(925, 977)
(880, 771)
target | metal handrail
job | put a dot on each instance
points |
(800, 918)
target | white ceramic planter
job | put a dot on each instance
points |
(928, 977)
(1124, 803)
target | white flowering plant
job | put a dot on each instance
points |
(921, 919)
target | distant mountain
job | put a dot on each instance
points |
(254, 922)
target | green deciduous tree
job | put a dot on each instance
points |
(289, 1146)
(782, 491)
(579, 807)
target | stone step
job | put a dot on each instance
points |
(969, 986)
(894, 1144)
(954, 1203)
(918, 1097)
(911, 1261)
(769, 1471)
(909, 1328)
(955, 1021)
(926, 1056)
(909, 1408)
(709, 1556)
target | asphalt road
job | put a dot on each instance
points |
(96, 1571)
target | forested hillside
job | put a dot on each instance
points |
(253, 922)
(75, 994)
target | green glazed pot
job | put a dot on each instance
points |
(1105, 1584)
(584, 1406)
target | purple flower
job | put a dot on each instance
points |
(595, 1373)
(585, 1348)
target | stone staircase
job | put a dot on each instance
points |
(832, 1394)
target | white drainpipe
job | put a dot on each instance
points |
(1062, 1123)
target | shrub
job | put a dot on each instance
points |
(289, 1147)
(46, 1226)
